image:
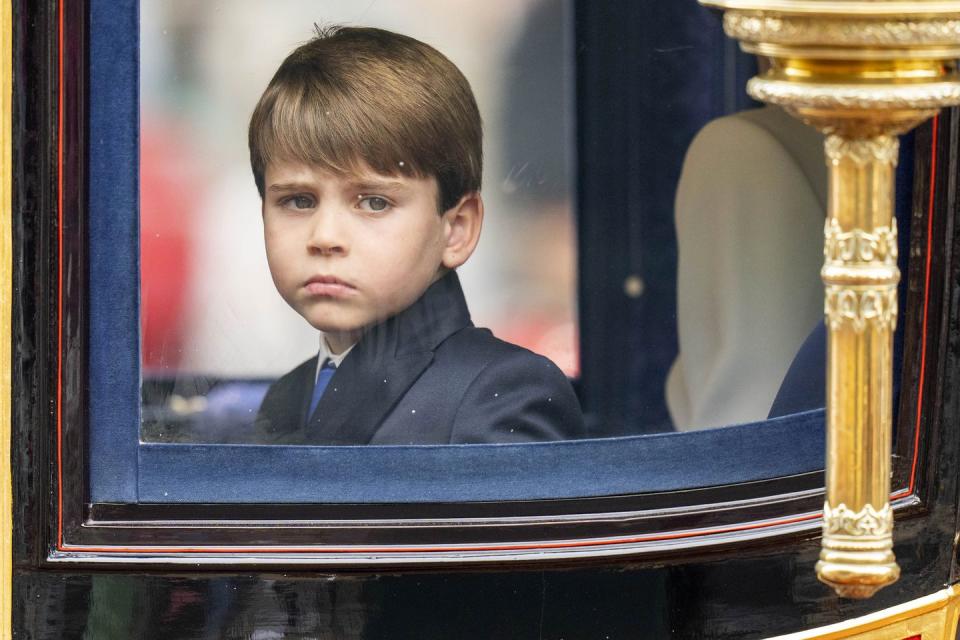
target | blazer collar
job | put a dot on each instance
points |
(440, 312)
(383, 365)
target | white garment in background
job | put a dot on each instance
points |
(750, 209)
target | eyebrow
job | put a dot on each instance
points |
(288, 186)
(357, 185)
(377, 185)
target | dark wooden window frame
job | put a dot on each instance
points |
(49, 363)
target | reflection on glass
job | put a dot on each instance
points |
(216, 336)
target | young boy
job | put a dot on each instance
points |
(366, 150)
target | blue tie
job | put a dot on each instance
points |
(323, 379)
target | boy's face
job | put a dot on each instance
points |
(348, 251)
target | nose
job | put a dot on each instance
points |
(327, 234)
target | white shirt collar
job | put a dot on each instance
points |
(325, 354)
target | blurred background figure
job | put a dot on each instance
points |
(751, 202)
(168, 178)
(537, 174)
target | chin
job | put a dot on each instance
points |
(327, 327)
(327, 324)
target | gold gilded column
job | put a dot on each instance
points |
(860, 303)
(863, 72)
(6, 303)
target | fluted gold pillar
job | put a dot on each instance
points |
(861, 71)
(860, 303)
(6, 303)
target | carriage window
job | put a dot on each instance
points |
(217, 329)
(312, 271)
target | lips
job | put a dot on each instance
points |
(329, 287)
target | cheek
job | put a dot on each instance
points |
(406, 262)
(269, 237)
(418, 250)
(270, 246)
(278, 256)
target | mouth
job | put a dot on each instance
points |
(329, 287)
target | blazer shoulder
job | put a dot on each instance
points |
(514, 394)
(498, 359)
(293, 378)
(282, 409)
(479, 346)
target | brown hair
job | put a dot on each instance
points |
(361, 95)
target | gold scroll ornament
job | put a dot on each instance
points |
(862, 72)
(931, 617)
(6, 326)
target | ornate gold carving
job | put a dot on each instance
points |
(857, 245)
(928, 95)
(856, 557)
(6, 298)
(868, 521)
(804, 30)
(861, 71)
(861, 307)
(862, 151)
(931, 617)
(874, 8)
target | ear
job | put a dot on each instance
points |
(461, 228)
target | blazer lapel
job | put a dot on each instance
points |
(385, 364)
(361, 394)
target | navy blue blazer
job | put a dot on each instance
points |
(426, 376)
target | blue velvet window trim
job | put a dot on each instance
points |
(454, 473)
(114, 243)
(123, 470)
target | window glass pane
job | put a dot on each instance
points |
(215, 331)
(695, 245)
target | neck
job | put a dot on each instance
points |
(338, 342)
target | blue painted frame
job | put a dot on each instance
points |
(125, 471)
(482, 472)
(114, 248)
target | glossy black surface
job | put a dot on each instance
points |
(34, 192)
(651, 519)
(753, 595)
(747, 585)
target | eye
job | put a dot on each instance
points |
(375, 204)
(299, 201)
